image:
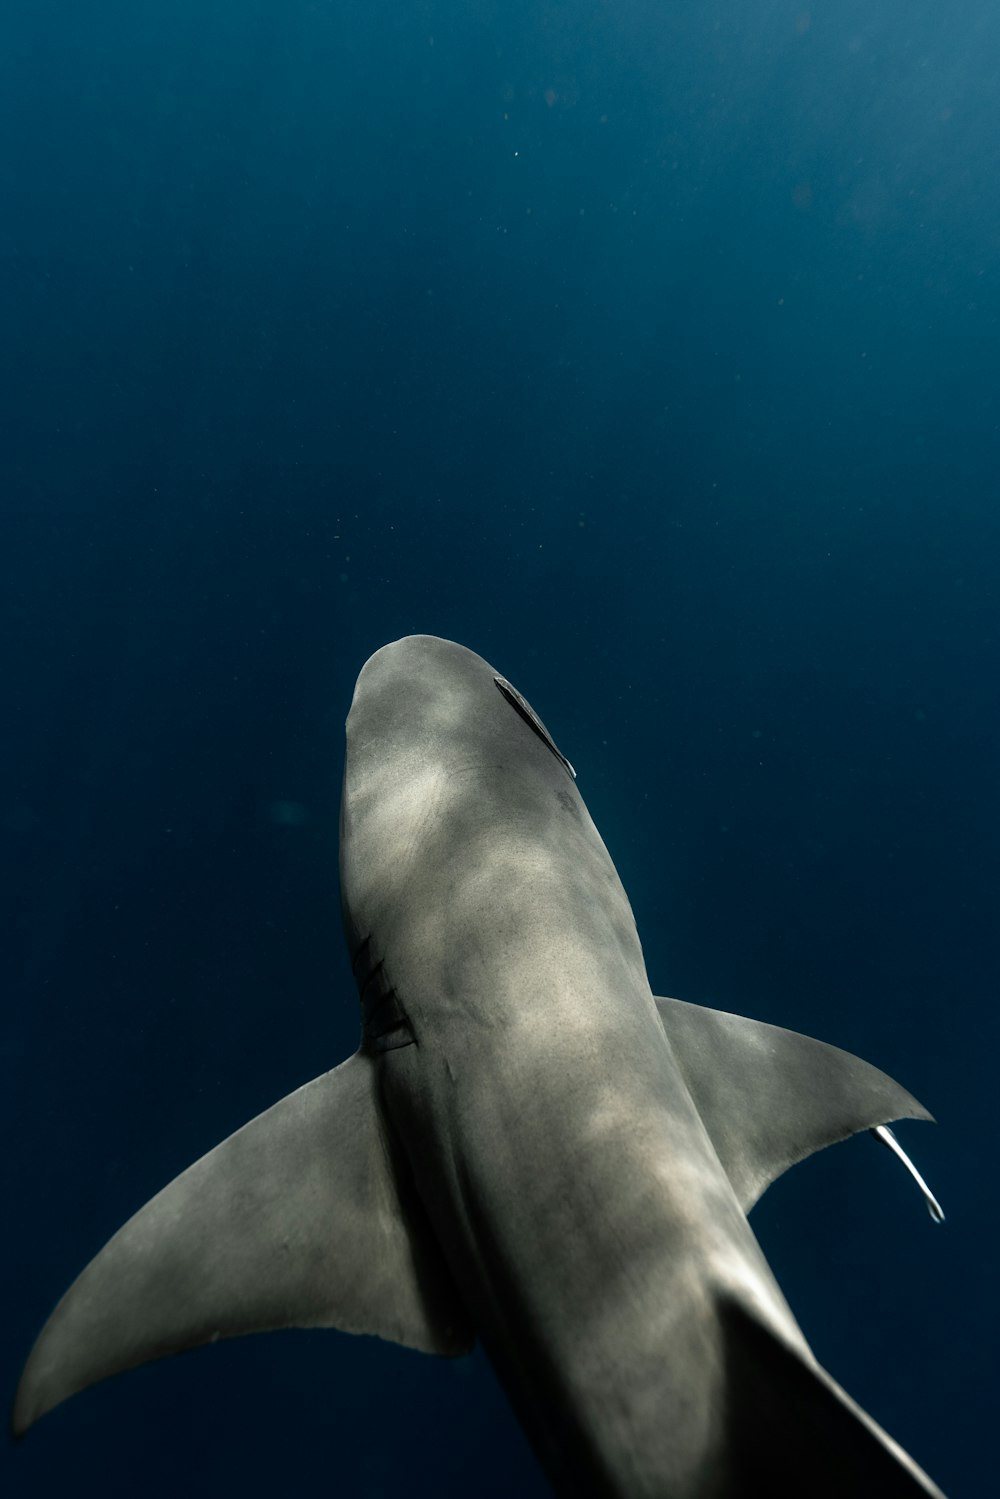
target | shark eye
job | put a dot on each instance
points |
(522, 707)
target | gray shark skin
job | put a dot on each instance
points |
(528, 1146)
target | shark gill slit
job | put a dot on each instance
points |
(362, 945)
(372, 974)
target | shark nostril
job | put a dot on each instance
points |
(522, 707)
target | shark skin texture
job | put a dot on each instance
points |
(528, 1147)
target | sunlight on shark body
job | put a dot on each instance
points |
(528, 1146)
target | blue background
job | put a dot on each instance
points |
(650, 349)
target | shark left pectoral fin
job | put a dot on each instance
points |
(771, 1097)
(300, 1219)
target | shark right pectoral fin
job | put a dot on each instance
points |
(770, 1097)
(300, 1219)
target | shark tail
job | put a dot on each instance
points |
(793, 1431)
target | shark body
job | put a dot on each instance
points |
(528, 1146)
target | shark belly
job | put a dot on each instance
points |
(594, 1237)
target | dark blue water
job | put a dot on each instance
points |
(649, 349)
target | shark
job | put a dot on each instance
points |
(529, 1147)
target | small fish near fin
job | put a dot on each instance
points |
(792, 1430)
(770, 1097)
(297, 1220)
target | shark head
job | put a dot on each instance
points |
(449, 776)
(425, 708)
